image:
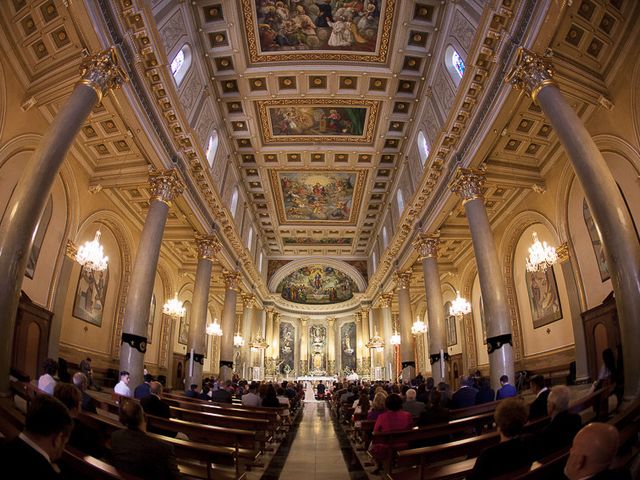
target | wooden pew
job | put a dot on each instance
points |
(483, 408)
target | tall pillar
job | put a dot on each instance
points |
(275, 351)
(331, 346)
(407, 351)
(366, 335)
(304, 346)
(427, 247)
(207, 247)
(468, 185)
(228, 323)
(246, 330)
(386, 325)
(100, 73)
(269, 365)
(358, 349)
(534, 74)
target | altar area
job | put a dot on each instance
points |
(317, 378)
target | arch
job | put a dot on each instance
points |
(291, 267)
(423, 147)
(233, 207)
(400, 201)
(180, 64)
(212, 147)
(454, 63)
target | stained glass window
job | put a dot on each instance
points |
(180, 64)
(458, 63)
(212, 146)
(423, 148)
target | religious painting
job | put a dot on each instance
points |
(317, 284)
(452, 334)
(317, 341)
(317, 196)
(39, 238)
(317, 120)
(152, 317)
(595, 242)
(183, 332)
(287, 348)
(317, 241)
(543, 297)
(298, 30)
(348, 347)
(91, 293)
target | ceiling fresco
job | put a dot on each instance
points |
(317, 196)
(289, 30)
(317, 120)
(317, 284)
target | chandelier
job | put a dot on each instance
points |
(91, 255)
(238, 341)
(376, 342)
(174, 308)
(395, 339)
(214, 328)
(459, 306)
(418, 327)
(541, 255)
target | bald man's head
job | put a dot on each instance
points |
(593, 450)
(155, 388)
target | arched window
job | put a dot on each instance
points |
(180, 64)
(423, 148)
(454, 63)
(250, 238)
(385, 236)
(234, 202)
(400, 200)
(374, 260)
(260, 263)
(212, 146)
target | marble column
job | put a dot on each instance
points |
(427, 247)
(275, 351)
(227, 324)
(304, 346)
(359, 342)
(269, 365)
(60, 299)
(331, 346)
(534, 74)
(366, 335)
(468, 185)
(99, 74)
(246, 330)
(208, 247)
(377, 357)
(407, 351)
(386, 326)
(165, 185)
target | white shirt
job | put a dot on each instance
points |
(46, 383)
(544, 389)
(121, 388)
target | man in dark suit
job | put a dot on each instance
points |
(563, 427)
(143, 390)
(513, 451)
(34, 452)
(222, 395)
(154, 405)
(133, 451)
(465, 396)
(538, 408)
(506, 390)
(592, 453)
(88, 403)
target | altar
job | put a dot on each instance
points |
(317, 378)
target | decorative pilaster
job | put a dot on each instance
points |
(468, 185)
(304, 345)
(366, 336)
(275, 352)
(407, 351)
(331, 346)
(386, 326)
(614, 224)
(269, 311)
(231, 281)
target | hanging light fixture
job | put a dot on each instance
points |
(459, 306)
(541, 255)
(174, 308)
(395, 339)
(376, 342)
(214, 328)
(418, 327)
(91, 255)
(238, 341)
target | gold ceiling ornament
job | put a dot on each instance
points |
(102, 72)
(385, 300)
(427, 245)
(231, 279)
(468, 183)
(208, 246)
(531, 72)
(165, 185)
(403, 279)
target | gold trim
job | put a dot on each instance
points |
(563, 252)
(540, 86)
(255, 56)
(474, 197)
(161, 200)
(93, 86)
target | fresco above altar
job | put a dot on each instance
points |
(317, 284)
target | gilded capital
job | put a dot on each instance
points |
(403, 279)
(304, 321)
(468, 184)
(208, 246)
(101, 72)
(331, 321)
(427, 245)
(385, 300)
(563, 252)
(231, 279)
(531, 72)
(365, 310)
(165, 185)
(249, 300)
(71, 250)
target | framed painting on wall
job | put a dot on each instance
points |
(88, 304)
(543, 297)
(183, 333)
(452, 333)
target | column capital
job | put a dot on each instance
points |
(331, 321)
(208, 246)
(101, 72)
(385, 300)
(276, 317)
(165, 185)
(531, 72)
(365, 310)
(71, 250)
(403, 279)
(303, 321)
(468, 183)
(248, 300)
(270, 311)
(427, 245)
(231, 279)
(358, 317)
(563, 252)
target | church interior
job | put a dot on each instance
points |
(306, 190)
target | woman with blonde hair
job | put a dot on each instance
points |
(378, 406)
